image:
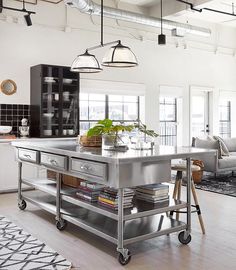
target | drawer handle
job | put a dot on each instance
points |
(53, 162)
(27, 156)
(85, 168)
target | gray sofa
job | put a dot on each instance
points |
(226, 158)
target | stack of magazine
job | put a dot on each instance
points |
(109, 198)
(89, 191)
(155, 193)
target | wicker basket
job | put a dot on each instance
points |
(197, 176)
(67, 180)
(93, 141)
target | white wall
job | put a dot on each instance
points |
(22, 47)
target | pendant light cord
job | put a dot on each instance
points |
(102, 42)
(161, 17)
(24, 5)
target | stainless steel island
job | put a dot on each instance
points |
(115, 169)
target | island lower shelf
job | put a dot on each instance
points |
(140, 208)
(134, 230)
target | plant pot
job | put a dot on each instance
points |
(113, 142)
(93, 141)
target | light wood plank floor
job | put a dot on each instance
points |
(214, 251)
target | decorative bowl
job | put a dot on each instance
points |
(5, 129)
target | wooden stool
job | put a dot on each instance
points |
(180, 168)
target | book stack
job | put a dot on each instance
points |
(89, 191)
(109, 198)
(155, 193)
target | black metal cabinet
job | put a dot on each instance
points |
(54, 101)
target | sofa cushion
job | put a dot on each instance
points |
(232, 153)
(207, 144)
(227, 162)
(223, 148)
(231, 144)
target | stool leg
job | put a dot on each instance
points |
(198, 207)
(176, 187)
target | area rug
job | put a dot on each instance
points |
(21, 251)
(222, 185)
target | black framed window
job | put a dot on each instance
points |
(95, 107)
(225, 119)
(168, 121)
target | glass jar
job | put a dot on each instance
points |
(115, 142)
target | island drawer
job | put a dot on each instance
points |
(54, 161)
(28, 155)
(97, 170)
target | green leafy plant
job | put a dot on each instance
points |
(107, 127)
(143, 128)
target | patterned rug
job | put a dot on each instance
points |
(21, 251)
(223, 185)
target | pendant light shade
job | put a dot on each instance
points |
(119, 56)
(86, 63)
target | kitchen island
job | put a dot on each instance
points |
(115, 169)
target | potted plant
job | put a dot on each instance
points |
(112, 135)
(145, 137)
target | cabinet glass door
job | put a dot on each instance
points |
(50, 101)
(70, 107)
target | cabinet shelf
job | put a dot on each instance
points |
(47, 97)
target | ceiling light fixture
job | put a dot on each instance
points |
(118, 56)
(24, 10)
(161, 37)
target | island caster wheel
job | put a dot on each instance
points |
(22, 205)
(61, 225)
(183, 240)
(124, 260)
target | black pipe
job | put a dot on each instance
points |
(208, 9)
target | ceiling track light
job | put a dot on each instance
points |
(24, 10)
(162, 37)
(208, 9)
(118, 56)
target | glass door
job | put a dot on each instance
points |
(50, 101)
(70, 103)
(200, 114)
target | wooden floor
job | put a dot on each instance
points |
(214, 251)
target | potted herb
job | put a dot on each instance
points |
(144, 138)
(112, 135)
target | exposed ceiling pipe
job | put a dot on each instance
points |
(89, 7)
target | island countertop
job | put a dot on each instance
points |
(72, 149)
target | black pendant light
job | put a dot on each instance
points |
(161, 37)
(118, 55)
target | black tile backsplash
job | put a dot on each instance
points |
(12, 114)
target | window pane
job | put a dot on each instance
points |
(115, 98)
(130, 111)
(96, 110)
(115, 111)
(130, 98)
(97, 97)
(84, 126)
(83, 96)
(83, 110)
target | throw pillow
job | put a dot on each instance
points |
(224, 148)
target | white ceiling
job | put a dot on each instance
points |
(144, 3)
(223, 5)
